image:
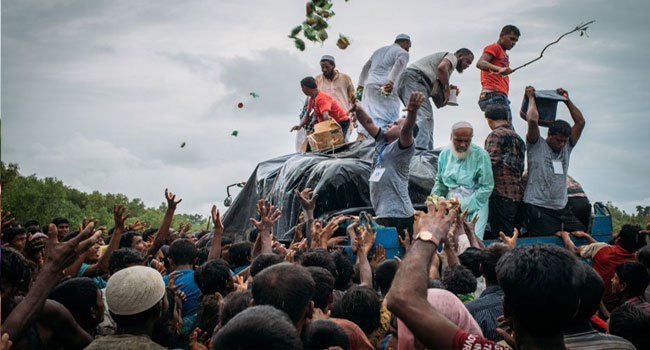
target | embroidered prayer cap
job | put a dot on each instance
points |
(328, 58)
(133, 290)
(461, 125)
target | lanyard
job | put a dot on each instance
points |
(381, 151)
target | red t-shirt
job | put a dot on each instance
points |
(465, 341)
(495, 81)
(324, 103)
(605, 261)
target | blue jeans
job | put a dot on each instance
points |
(499, 100)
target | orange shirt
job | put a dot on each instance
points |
(324, 103)
(495, 81)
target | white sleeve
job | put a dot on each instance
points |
(399, 65)
(364, 73)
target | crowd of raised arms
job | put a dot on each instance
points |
(72, 285)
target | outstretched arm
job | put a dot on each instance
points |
(532, 116)
(365, 120)
(407, 297)
(406, 134)
(215, 247)
(576, 115)
(101, 267)
(163, 230)
(364, 74)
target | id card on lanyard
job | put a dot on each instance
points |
(379, 170)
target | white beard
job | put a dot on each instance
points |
(459, 155)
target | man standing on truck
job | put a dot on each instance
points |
(545, 198)
(323, 105)
(394, 147)
(494, 64)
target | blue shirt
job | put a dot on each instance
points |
(191, 290)
(101, 283)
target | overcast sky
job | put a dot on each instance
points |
(101, 94)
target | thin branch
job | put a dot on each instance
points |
(582, 28)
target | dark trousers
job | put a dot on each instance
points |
(400, 224)
(504, 216)
(581, 209)
(545, 222)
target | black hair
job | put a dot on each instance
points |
(323, 286)
(361, 305)
(259, 327)
(489, 258)
(634, 275)
(344, 269)
(285, 286)
(60, 220)
(323, 334)
(632, 323)
(384, 275)
(148, 232)
(591, 293)
(208, 315)
(560, 128)
(496, 112)
(319, 257)
(510, 29)
(123, 258)
(127, 321)
(163, 334)
(8, 234)
(32, 230)
(202, 255)
(464, 51)
(308, 82)
(263, 261)
(459, 280)
(32, 222)
(78, 295)
(15, 270)
(540, 284)
(126, 240)
(182, 252)
(233, 304)
(471, 259)
(399, 41)
(239, 254)
(328, 60)
(435, 284)
(213, 276)
(643, 255)
(630, 239)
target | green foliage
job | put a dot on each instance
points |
(621, 217)
(28, 197)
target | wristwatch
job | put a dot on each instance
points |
(428, 236)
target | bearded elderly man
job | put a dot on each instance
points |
(465, 173)
(336, 84)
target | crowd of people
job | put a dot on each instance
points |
(333, 286)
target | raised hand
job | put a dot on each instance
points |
(509, 241)
(564, 93)
(415, 101)
(171, 284)
(62, 254)
(241, 283)
(7, 219)
(199, 340)
(269, 215)
(530, 91)
(352, 233)
(379, 256)
(171, 200)
(307, 199)
(216, 220)
(5, 343)
(335, 242)
(406, 241)
(118, 216)
(366, 238)
(436, 220)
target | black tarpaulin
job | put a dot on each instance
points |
(339, 177)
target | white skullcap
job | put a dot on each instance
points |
(328, 58)
(134, 290)
(403, 37)
(461, 125)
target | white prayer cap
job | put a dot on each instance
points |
(134, 290)
(461, 125)
(403, 37)
(328, 58)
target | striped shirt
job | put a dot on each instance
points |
(593, 340)
(486, 309)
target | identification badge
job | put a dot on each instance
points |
(557, 167)
(377, 174)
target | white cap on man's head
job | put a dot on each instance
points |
(461, 125)
(403, 37)
(327, 58)
(133, 290)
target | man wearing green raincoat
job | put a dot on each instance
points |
(465, 173)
